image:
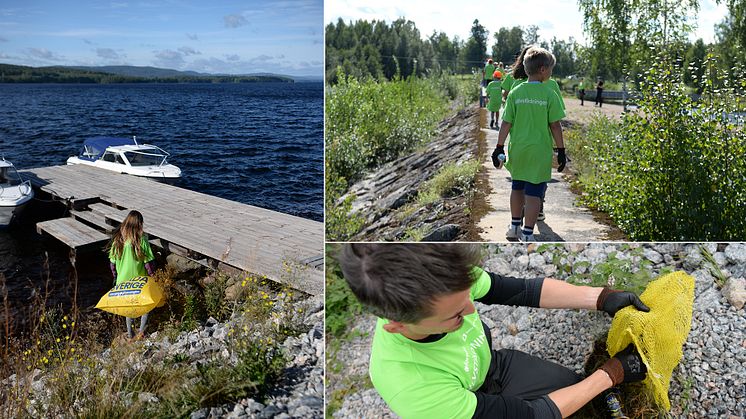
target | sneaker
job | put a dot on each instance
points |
(527, 238)
(541, 216)
(514, 232)
(492, 124)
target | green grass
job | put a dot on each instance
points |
(369, 123)
(452, 179)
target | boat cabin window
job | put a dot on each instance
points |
(113, 157)
(8, 176)
(144, 157)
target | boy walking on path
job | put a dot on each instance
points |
(495, 101)
(432, 355)
(530, 108)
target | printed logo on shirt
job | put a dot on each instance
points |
(527, 101)
(471, 360)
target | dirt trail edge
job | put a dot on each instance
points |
(565, 219)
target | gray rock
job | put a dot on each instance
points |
(445, 233)
(200, 414)
(653, 256)
(735, 292)
(736, 253)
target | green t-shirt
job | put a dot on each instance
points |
(507, 82)
(495, 92)
(555, 86)
(127, 264)
(581, 86)
(530, 108)
(489, 71)
(435, 379)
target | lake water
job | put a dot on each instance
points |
(255, 143)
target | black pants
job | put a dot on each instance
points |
(599, 97)
(522, 383)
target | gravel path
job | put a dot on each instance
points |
(710, 381)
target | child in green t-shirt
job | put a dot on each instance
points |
(130, 256)
(530, 108)
(487, 72)
(494, 94)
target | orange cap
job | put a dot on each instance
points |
(497, 74)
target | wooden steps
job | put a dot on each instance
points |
(73, 233)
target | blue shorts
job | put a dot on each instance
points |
(531, 189)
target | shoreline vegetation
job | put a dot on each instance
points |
(222, 343)
(11, 74)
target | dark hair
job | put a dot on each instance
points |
(518, 71)
(399, 281)
(537, 57)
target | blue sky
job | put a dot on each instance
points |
(211, 36)
(560, 18)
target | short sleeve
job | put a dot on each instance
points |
(555, 111)
(482, 283)
(509, 115)
(146, 250)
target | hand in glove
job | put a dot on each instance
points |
(612, 301)
(625, 367)
(500, 149)
(561, 159)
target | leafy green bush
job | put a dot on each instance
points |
(674, 169)
(369, 123)
(341, 304)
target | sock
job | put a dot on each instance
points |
(515, 222)
(528, 230)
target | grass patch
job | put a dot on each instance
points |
(341, 304)
(451, 180)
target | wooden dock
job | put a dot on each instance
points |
(213, 231)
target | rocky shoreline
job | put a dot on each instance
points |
(297, 391)
(710, 381)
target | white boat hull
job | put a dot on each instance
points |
(11, 207)
(166, 172)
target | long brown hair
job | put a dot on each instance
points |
(131, 229)
(519, 72)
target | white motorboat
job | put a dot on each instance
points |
(125, 155)
(15, 193)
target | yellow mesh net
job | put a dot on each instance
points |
(660, 334)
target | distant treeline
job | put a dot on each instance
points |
(22, 74)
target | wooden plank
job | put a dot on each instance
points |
(71, 232)
(92, 218)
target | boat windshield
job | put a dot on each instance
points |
(9, 176)
(145, 157)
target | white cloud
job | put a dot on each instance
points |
(187, 51)
(235, 21)
(169, 59)
(43, 54)
(107, 54)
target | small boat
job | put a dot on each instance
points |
(125, 155)
(15, 193)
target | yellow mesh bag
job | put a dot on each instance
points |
(132, 298)
(660, 334)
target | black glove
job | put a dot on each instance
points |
(612, 301)
(500, 149)
(561, 159)
(626, 366)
